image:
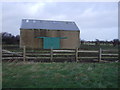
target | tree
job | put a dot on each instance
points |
(8, 38)
(97, 42)
(82, 42)
(116, 42)
(17, 38)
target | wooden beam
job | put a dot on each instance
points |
(24, 53)
(51, 55)
(76, 54)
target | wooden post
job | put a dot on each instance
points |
(76, 54)
(100, 52)
(51, 55)
(24, 53)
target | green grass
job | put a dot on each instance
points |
(96, 47)
(84, 47)
(59, 75)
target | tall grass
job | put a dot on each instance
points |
(60, 75)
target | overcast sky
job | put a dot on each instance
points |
(96, 20)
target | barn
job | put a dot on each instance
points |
(47, 34)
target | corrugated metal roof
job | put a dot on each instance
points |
(47, 24)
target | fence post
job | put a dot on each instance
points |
(76, 54)
(51, 54)
(24, 53)
(100, 52)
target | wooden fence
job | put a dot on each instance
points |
(51, 55)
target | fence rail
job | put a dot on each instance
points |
(61, 55)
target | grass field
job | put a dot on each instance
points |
(59, 75)
(83, 47)
(96, 47)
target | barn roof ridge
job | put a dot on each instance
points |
(48, 24)
(48, 20)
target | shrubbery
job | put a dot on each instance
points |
(8, 38)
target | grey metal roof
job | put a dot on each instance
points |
(47, 24)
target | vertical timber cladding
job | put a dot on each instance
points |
(52, 39)
(72, 41)
(26, 38)
(38, 42)
(52, 33)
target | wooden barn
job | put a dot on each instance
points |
(46, 34)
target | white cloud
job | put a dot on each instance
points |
(98, 19)
(88, 13)
(38, 7)
(100, 33)
(59, 17)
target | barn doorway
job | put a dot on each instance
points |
(51, 42)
